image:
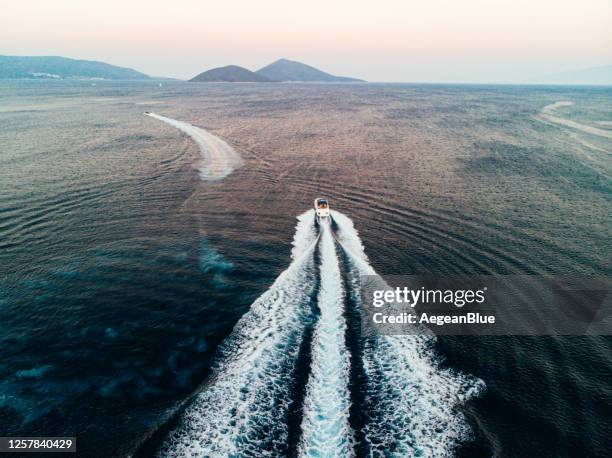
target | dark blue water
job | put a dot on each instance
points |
(121, 271)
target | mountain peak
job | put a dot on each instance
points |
(290, 70)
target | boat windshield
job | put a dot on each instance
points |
(322, 204)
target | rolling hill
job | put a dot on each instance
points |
(230, 74)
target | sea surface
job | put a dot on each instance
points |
(146, 308)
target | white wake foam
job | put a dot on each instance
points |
(218, 158)
(325, 426)
(244, 408)
(549, 113)
(411, 402)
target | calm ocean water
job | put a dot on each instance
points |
(122, 271)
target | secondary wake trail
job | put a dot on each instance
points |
(325, 427)
(244, 409)
(410, 402)
(550, 114)
(218, 158)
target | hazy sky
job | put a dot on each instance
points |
(384, 40)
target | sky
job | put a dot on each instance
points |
(384, 40)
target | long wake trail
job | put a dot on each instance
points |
(218, 158)
(245, 407)
(409, 404)
(325, 427)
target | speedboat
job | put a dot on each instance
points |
(147, 112)
(321, 207)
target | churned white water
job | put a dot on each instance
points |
(325, 427)
(412, 402)
(244, 408)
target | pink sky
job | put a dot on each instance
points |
(393, 40)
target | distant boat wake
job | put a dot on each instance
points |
(290, 377)
(549, 113)
(218, 158)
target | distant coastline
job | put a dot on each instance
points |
(55, 67)
(282, 70)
